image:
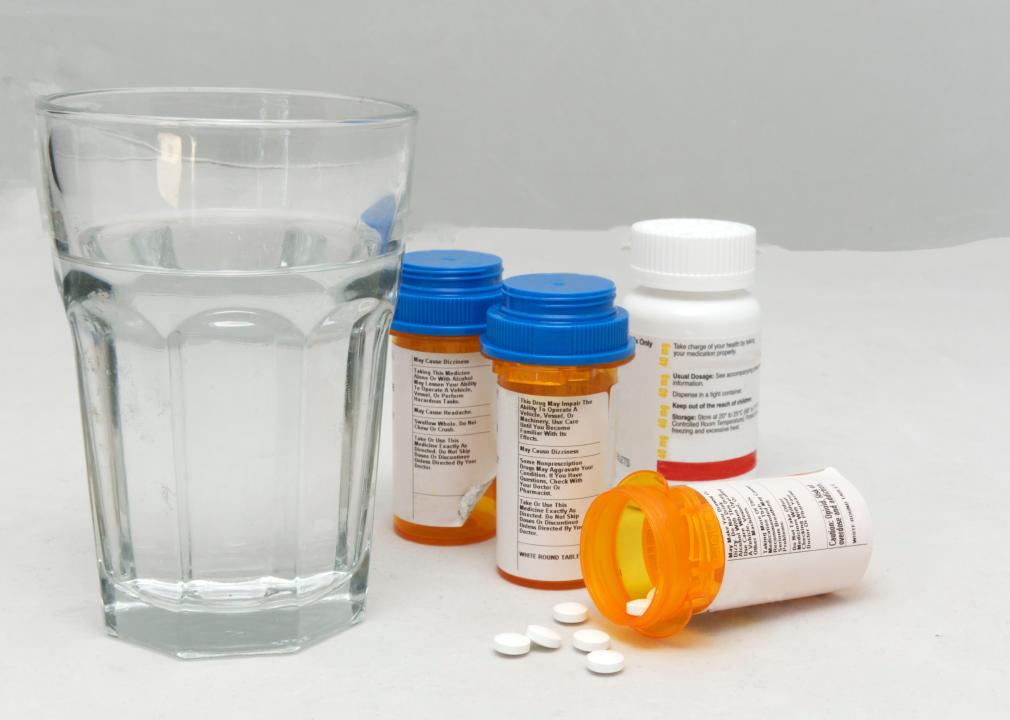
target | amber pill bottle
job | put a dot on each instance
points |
(444, 398)
(556, 342)
(690, 548)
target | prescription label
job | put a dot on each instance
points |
(788, 537)
(553, 460)
(443, 417)
(688, 401)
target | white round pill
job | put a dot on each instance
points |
(605, 662)
(570, 612)
(588, 640)
(543, 636)
(511, 643)
(637, 607)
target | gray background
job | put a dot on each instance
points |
(859, 124)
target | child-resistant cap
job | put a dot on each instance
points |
(693, 255)
(558, 319)
(447, 292)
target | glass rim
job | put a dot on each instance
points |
(60, 104)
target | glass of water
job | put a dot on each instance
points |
(228, 260)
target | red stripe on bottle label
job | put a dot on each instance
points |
(720, 470)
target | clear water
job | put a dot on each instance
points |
(230, 373)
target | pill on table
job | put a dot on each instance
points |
(637, 607)
(543, 636)
(511, 643)
(605, 662)
(570, 612)
(588, 640)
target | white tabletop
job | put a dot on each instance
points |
(893, 367)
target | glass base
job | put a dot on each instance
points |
(194, 633)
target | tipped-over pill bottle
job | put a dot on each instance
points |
(443, 398)
(689, 399)
(557, 341)
(720, 544)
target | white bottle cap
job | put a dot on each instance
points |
(693, 255)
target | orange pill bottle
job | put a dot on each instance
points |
(444, 398)
(720, 544)
(556, 341)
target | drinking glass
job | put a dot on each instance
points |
(228, 260)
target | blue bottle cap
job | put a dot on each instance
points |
(558, 319)
(447, 292)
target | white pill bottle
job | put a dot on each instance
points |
(688, 404)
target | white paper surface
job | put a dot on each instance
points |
(889, 366)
